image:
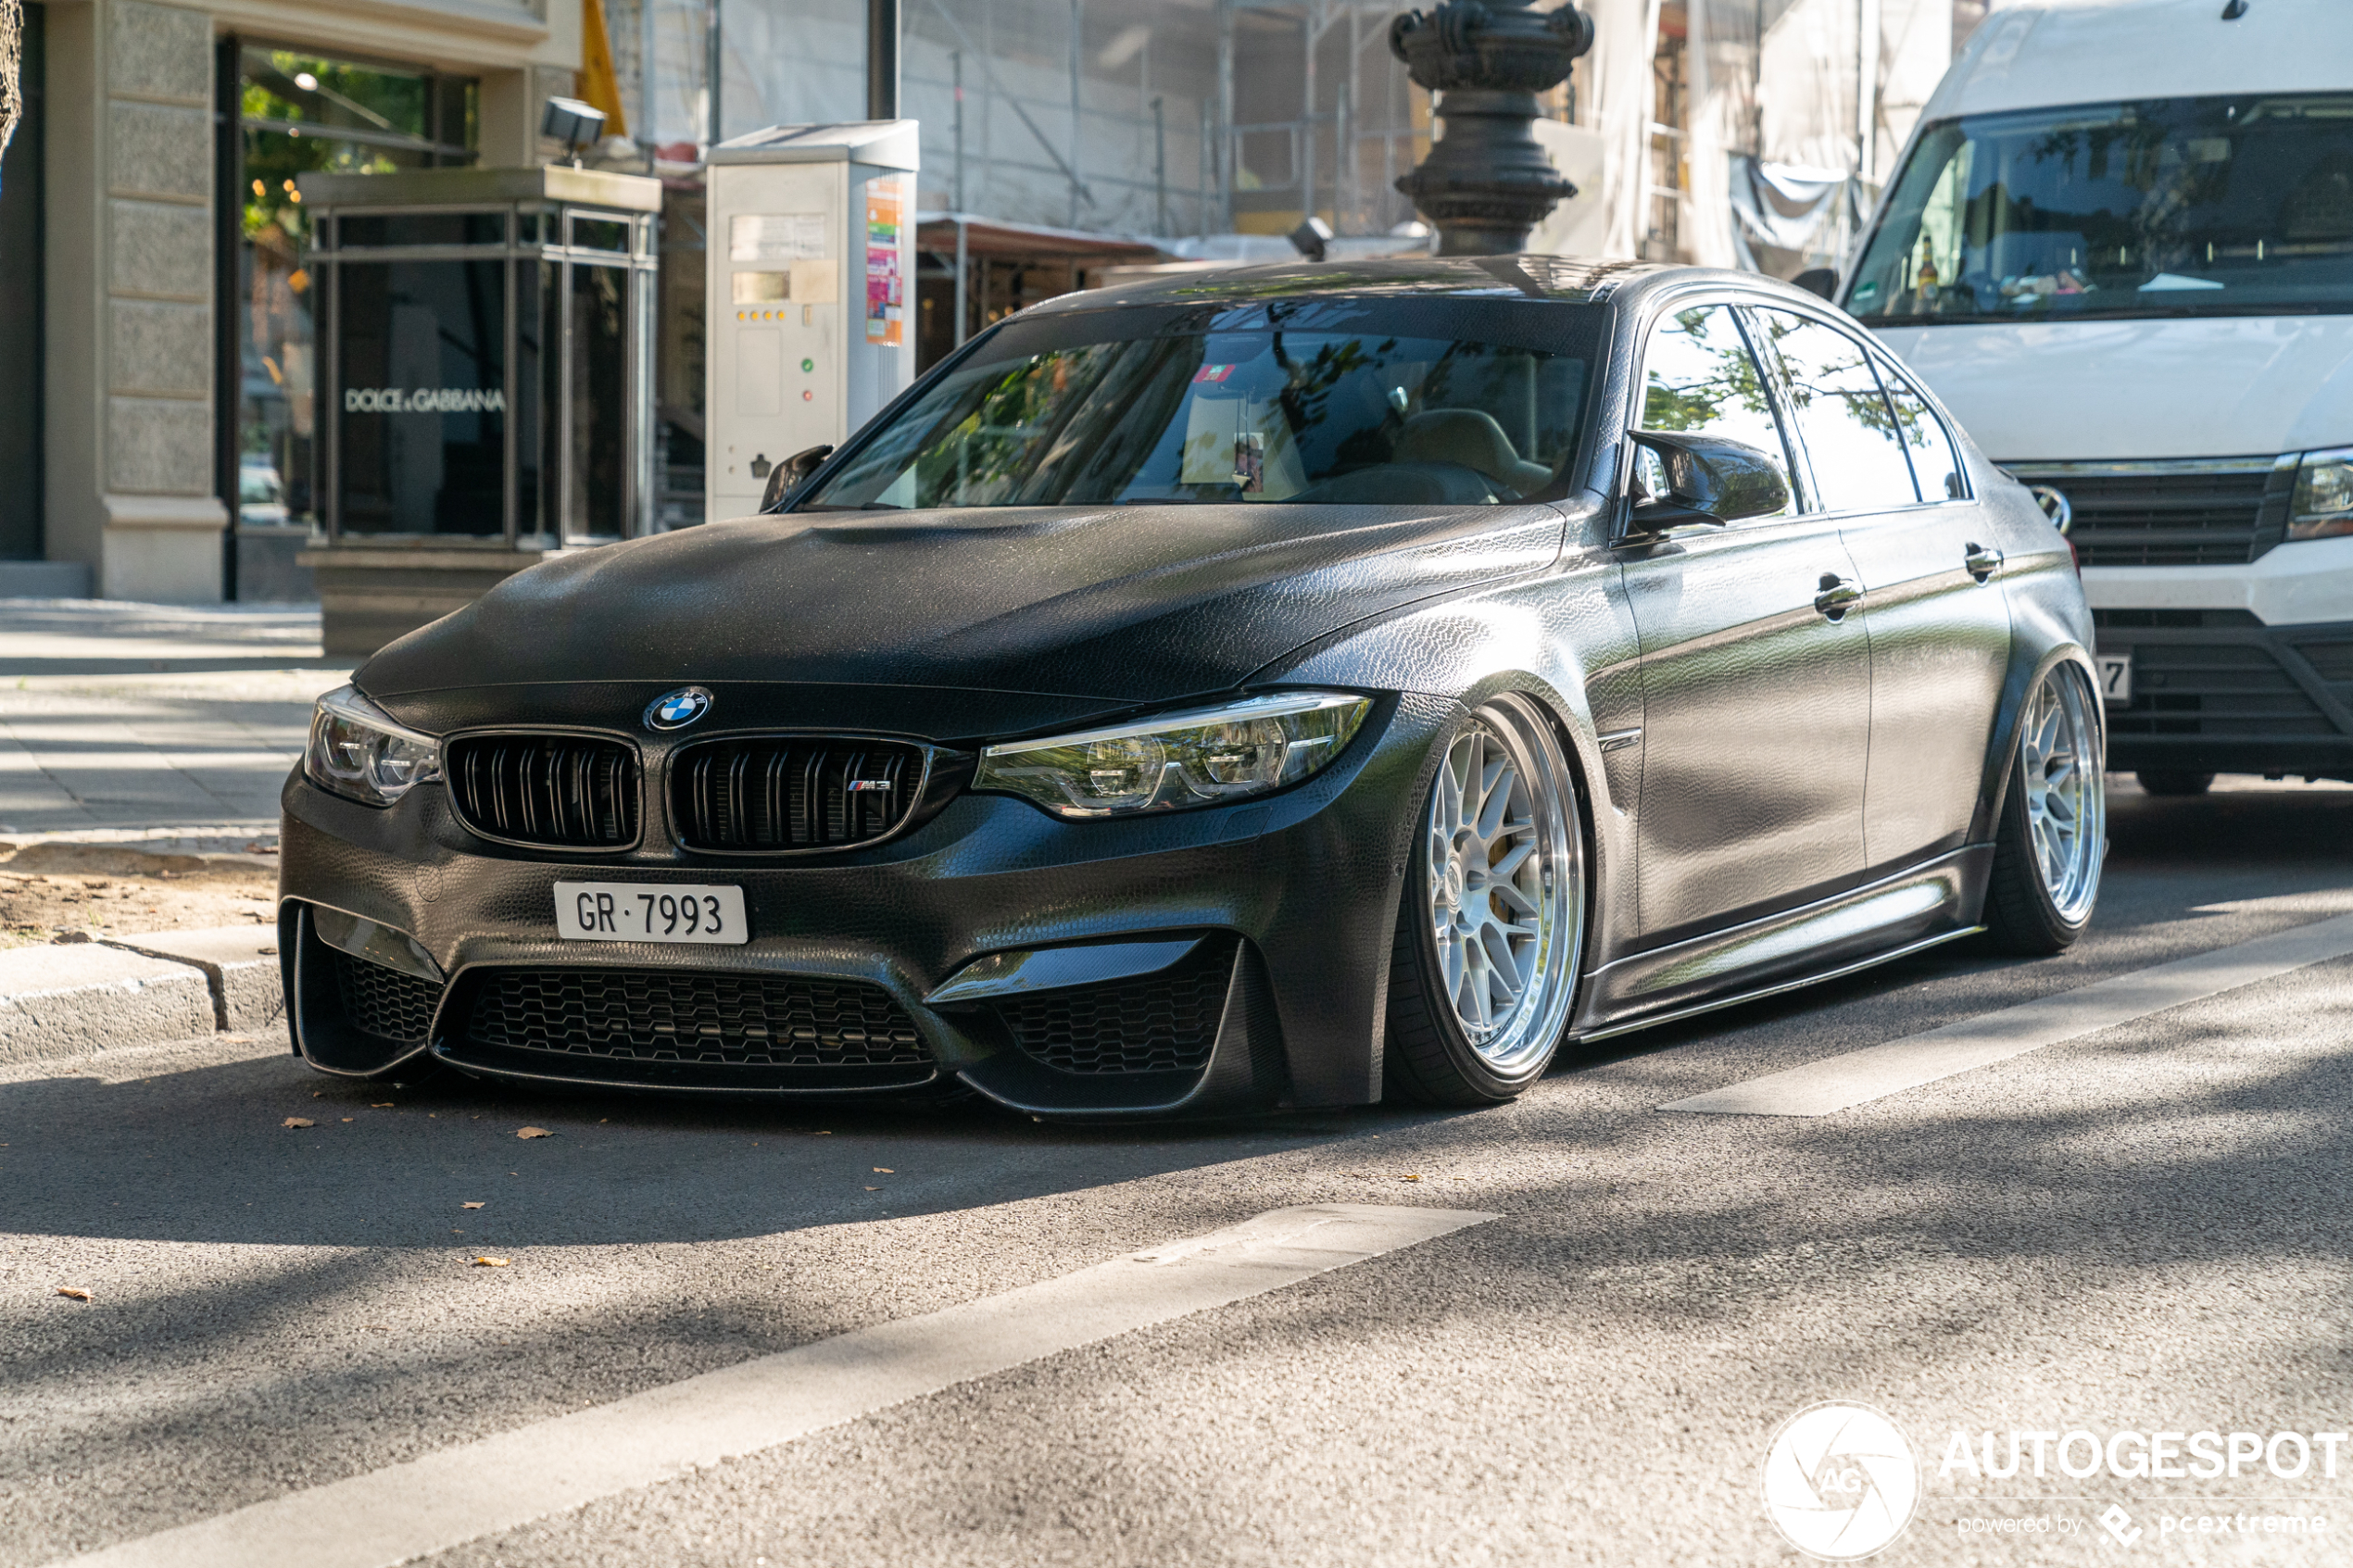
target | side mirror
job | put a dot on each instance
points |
(1822, 280)
(1704, 479)
(786, 477)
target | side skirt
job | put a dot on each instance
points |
(1931, 903)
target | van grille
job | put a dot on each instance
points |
(2166, 514)
(569, 792)
(792, 792)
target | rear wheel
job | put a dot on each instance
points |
(1484, 966)
(2053, 835)
(2169, 781)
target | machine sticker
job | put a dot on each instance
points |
(886, 296)
(777, 236)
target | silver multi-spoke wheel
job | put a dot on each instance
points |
(1503, 889)
(2060, 769)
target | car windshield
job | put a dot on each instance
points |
(2179, 206)
(1399, 402)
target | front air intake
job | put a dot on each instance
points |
(777, 793)
(567, 792)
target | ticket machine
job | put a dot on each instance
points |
(810, 260)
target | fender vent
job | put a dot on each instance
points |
(1163, 1023)
(792, 792)
(384, 1002)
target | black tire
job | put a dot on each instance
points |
(1429, 1056)
(2023, 915)
(2171, 781)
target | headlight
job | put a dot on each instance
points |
(359, 752)
(1202, 757)
(2323, 503)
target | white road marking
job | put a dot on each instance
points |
(409, 1510)
(1837, 1083)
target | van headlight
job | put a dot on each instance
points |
(1204, 757)
(359, 752)
(2323, 505)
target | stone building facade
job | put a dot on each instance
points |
(144, 226)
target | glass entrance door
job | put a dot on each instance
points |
(300, 113)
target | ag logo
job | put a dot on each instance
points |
(675, 710)
(1840, 1481)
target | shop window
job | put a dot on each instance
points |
(299, 113)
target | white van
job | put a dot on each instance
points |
(2120, 246)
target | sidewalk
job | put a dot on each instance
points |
(152, 724)
(142, 750)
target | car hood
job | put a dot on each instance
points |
(1097, 606)
(2241, 386)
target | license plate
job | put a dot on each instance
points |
(2116, 678)
(640, 912)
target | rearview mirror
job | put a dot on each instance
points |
(1822, 280)
(1702, 479)
(786, 477)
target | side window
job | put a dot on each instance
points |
(1698, 376)
(1934, 463)
(1842, 416)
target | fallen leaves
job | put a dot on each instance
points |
(535, 1133)
(297, 1122)
(381, 1105)
(488, 1263)
(73, 1293)
(469, 1206)
(885, 1170)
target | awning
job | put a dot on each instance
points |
(936, 232)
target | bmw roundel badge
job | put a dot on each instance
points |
(675, 710)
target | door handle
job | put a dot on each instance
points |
(1839, 594)
(1982, 561)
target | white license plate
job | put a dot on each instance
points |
(644, 911)
(2116, 678)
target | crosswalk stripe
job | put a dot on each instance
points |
(480, 1489)
(1838, 1083)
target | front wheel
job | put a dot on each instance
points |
(1484, 966)
(2053, 834)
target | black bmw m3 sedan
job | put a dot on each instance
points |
(1282, 686)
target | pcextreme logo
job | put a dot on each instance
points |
(1841, 1482)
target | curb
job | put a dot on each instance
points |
(240, 966)
(59, 1002)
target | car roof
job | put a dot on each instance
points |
(1567, 280)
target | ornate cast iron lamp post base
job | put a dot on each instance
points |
(1488, 183)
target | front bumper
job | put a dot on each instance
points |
(2217, 691)
(1293, 895)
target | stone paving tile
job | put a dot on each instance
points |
(90, 745)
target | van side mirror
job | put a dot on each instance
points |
(786, 477)
(1702, 479)
(1822, 280)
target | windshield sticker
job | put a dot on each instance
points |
(1211, 373)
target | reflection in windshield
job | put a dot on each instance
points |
(2173, 207)
(1256, 414)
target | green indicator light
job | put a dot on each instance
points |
(808, 364)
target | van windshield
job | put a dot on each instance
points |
(1345, 402)
(2176, 206)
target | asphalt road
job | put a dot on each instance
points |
(2141, 1230)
